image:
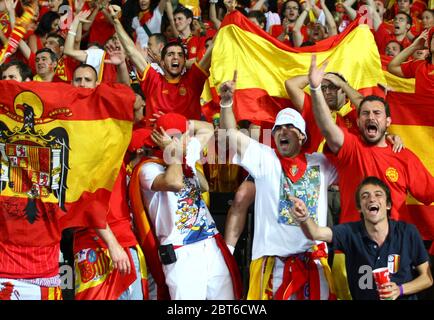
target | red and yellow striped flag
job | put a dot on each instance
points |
(413, 120)
(264, 63)
(61, 149)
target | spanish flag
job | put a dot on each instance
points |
(61, 150)
(395, 83)
(264, 63)
(413, 120)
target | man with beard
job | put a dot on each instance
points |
(369, 154)
(375, 242)
(285, 264)
(177, 90)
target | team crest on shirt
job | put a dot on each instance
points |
(193, 50)
(392, 174)
(182, 91)
(294, 169)
(33, 163)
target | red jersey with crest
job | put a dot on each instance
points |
(181, 95)
(402, 172)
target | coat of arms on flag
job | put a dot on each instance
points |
(33, 163)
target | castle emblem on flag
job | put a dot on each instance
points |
(34, 163)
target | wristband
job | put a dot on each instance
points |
(401, 290)
(72, 33)
(227, 105)
(314, 89)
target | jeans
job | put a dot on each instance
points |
(134, 291)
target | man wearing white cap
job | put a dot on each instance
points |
(285, 264)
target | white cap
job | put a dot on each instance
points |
(291, 116)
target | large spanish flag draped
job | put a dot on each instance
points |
(61, 149)
(264, 63)
(413, 120)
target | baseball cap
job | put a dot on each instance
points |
(141, 138)
(291, 116)
(172, 122)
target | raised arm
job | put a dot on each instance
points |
(351, 13)
(296, 32)
(213, 14)
(205, 62)
(372, 12)
(294, 87)
(310, 229)
(227, 118)
(172, 178)
(332, 29)
(394, 66)
(329, 129)
(136, 57)
(70, 50)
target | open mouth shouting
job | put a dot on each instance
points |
(374, 209)
(371, 130)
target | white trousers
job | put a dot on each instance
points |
(200, 273)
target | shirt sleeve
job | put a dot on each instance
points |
(421, 182)
(340, 238)
(346, 152)
(257, 159)
(409, 68)
(148, 172)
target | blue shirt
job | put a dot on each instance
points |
(402, 251)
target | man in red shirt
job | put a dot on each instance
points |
(421, 70)
(173, 91)
(369, 154)
(402, 23)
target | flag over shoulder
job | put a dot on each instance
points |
(264, 63)
(61, 149)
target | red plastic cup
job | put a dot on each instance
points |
(381, 276)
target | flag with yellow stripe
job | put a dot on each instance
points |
(413, 120)
(61, 149)
(264, 63)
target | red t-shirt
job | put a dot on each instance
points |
(181, 95)
(383, 37)
(423, 72)
(118, 219)
(28, 249)
(402, 172)
(314, 135)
